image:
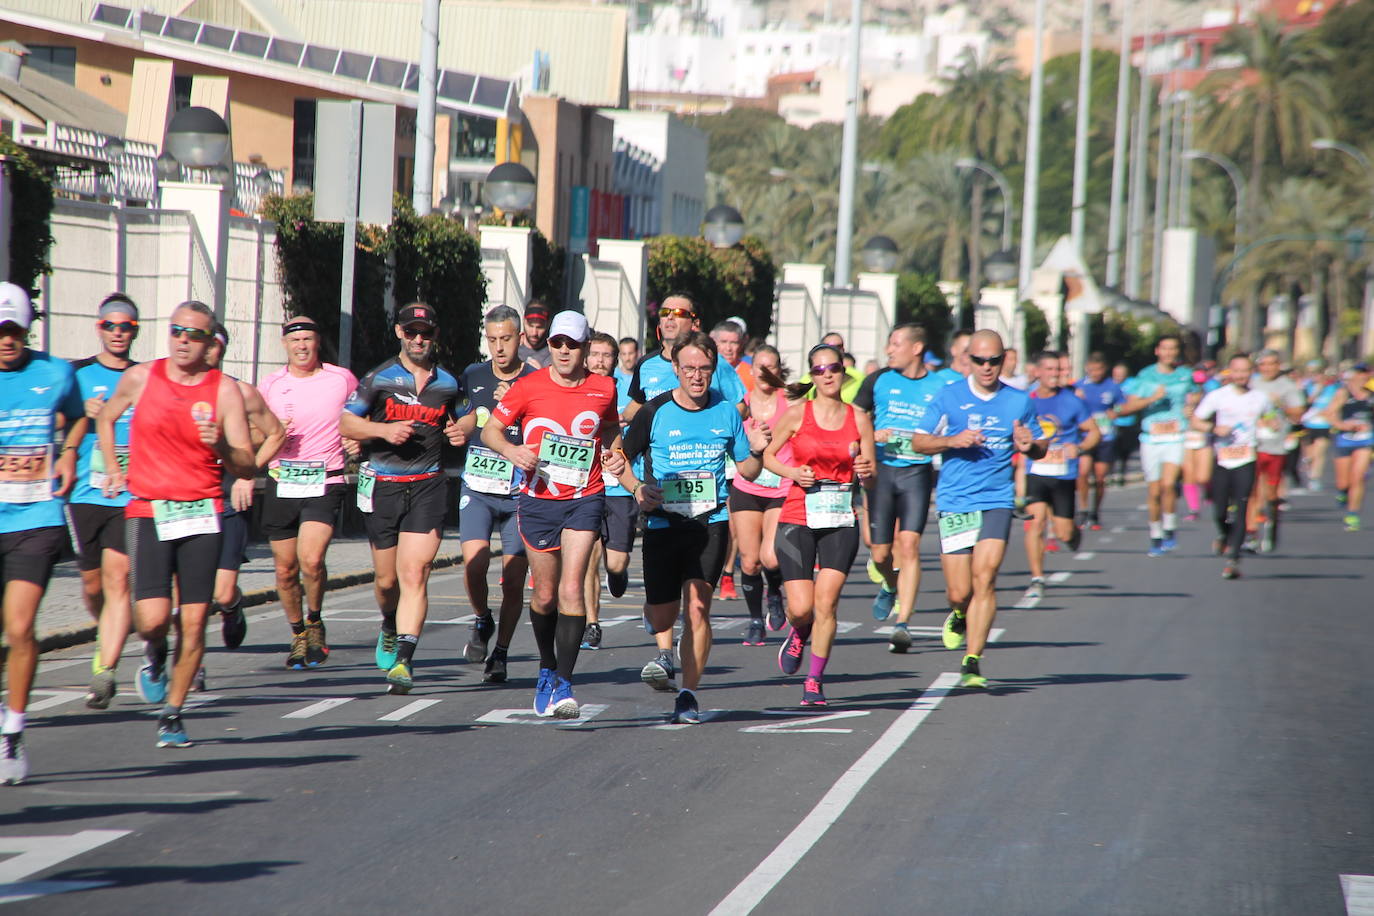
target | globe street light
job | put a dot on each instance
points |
(1327, 143)
(510, 187)
(879, 255)
(723, 226)
(1000, 268)
(1004, 186)
(197, 137)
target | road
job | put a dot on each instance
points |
(1157, 741)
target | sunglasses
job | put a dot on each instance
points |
(127, 327)
(193, 334)
(422, 333)
(676, 313)
(565, 343)
(836, 368)
(987, 360)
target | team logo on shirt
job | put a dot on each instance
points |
(415, 413)
(975, 421)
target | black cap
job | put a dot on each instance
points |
(537, 310)
(417, 313)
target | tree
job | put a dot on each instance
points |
(1348, 31)
(31, 234)
(919, 300)
(721, 283)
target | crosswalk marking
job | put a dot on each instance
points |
(1061, 576)
(53, 698)
(1085, 555)
(408, 710)
(314, 709)
(1359, 894)
(527, 716)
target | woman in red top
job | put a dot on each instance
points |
(832, 447)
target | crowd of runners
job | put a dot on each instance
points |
(573, 446)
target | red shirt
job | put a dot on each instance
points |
(167, 460)
(539, 405)
(829, 452)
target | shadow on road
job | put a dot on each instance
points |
(52, 814)
(135, 875)
(189, 764)
(1009, 685)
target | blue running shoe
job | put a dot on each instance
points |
(543, 691)
(685, 709)
(1170, 542)
(883, 603)
(658, 673)
(386, 650)
(171, 733)
(1156, 548)
(564, 705)
(151, 683)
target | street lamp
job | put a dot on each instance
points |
(1004, 186)
(879, 255)
(1327, 143)
(197, 137)
(723, 226)
(510, 187)
(262, 182)
(1232, 172)
(1000, 268)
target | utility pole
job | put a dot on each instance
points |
(1123, 115)
(423, 184)
(1031, 194)
(1135, 250)
(1078, 215)
(849, 153)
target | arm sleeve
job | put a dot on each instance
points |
(864, 399)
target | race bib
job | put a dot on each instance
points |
(487, 472)
(25, 473)
(99, 477)
(960, 530)
(566, 460)
(300, 479)
(1054, 464)
(830, 505)
(689, 493)
(174, 520)
(1165, 429)
(1194, 439)
(768, 479)
(367, 480)
(1234, 456)
(898, 444)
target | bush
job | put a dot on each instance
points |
(30, 231)
(721, 282)
(920, 300)
(1037, 329)
(1122, 339)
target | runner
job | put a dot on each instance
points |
(1232, 415)
(189, 424)
(534, 342)
(625, 366)
(1320, 388)
(755, 505)
(1351, 414)
(896, 398)
(1273, 437)
(817, 539)
(404, 408)
(653, 375)
(1127, 425)
(571, 432)
(305, 485)
(1197, 458)
(1102, 395)
(678, 445)
(729, 338)
(1159, 395)
(35, 389)
(96, 521)
(1051, 481)
(986, 421)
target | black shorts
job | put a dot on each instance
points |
(153, 563)
(685, 550)
(1313, 433)
(800, 548)
(899, 501)
(619, 519)
(414, 506)
(233, 541)
(996, 526)
(95, 529)
(1060, 494)
(1104, 452)
(542, 522)
(29, 556)
(479, 514)
(740, 501)
(282, 518)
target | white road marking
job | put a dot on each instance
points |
(355, 614)
(1107, 540)
(934, 632)
(617, 621)
(468, 618)
(1359, 894)
(804, 725)
(1027, 603)
(65, 663)
(1062, 576)
(844, 626)
(314, 709)
(36, 853)
(1085, 555)
(193, 701)
(526, 716)
(1118, 529)
(750, 892)
(54, 698)
(719, 625)
(408, 710)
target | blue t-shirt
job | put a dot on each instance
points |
(897, 404)
(666, 439)
(1321, 399)
(1128, 388)
(95, 380)
(1164, 421)
(978, 477)
(31, 397)
(1101, 397)
(622, 400)
(1065, 412)
(949, 376)
(654, 374)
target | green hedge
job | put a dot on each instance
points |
(30, 229)
(722, 282)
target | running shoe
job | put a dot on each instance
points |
(755, 636)
(790, 655)
(685, 709)
(543, 691)
(1230, 571)
(727, 588)
(591, 636)
(776, 617)
(1037, 588)
(1075, 540)
(386, 650)
(1170, 542)
(102, 690)
(969, 673)
(874, 575)
(151, 683)
(233, 626)
(618, 582)
(14, 760)
(1156, 548)
(171, 733)
(316, 649)
(811, 693)
(295, 658)
(901, 639)
(495, 672)
(564, 705)
(883, 603)
(1250, 544)
(659, 672)
(398, 679)
(954, 630)
(1266, 541)
(479, 634)
(1094, 523)
(1352, 522)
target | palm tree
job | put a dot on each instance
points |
(920, 204)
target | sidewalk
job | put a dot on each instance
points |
(63, 620)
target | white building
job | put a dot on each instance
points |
(677, 153)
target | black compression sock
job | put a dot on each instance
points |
(313, 616)
(752, 587)
(543, 626)
(568, 636)
(774, 579)
(298, 627)
(405, 647)
(389, 622)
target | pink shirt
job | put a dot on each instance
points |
(784, 454)
(310, 406)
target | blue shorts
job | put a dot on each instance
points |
(541, 522)
(479, 514)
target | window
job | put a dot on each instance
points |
(303, 144)
(181, 92)
(53, 60)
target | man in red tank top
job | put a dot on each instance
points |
(188, 418)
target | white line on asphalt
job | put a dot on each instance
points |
(55, 698)
(623, 618)
(1085, 555)
(934, 632)
(1106, 540)
(844, 626)
(314, 709)
(1027, 603)
(194, 701)
(408, 710)
(750, 892)
(35, 853)
(804, 725)
(67, 663)
(1062, 576)
(465, 619)
(527, 716)
(1359, 894)
(1118, 529)
(726, 623)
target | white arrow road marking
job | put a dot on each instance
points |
(36, 853)
(804, 725)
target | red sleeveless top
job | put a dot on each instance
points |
(829, 452)
(167, 460)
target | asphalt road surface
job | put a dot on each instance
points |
(1156, 741)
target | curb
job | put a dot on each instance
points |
(67, 637)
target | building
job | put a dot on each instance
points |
(678, 154)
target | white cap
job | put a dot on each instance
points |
(570, 324)
(14, 306)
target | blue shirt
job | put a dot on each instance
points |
(897, 404)
(1065, 413)
(654, 374)
(31, 397)
(1128, 388)
(1101, 397)
(666, 438)
(1313, 418)
(978, 477)
(622, 400)
(1164, 421)
(949, 376)
(95, 380)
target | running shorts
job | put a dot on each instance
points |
(282, 518)
(413, 506)
(740, 501)
(541, 522)
(1104, 452)
(1154, 456)
(153, 563)
(618, 522)
(996, 527)
(479, 514)
(1314, 433)
(29, 556)
(685, 550)
(1060, 494)
(95, 529)
(1269, 468)
(233, 542)
(899, 501)
(800, 548)
(1345, 451)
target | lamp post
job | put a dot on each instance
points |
(1232, 172)
(879, 255)
(510, 188)
(1004, 186)
(723, 226)
(1031, 194)
(198, 138)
